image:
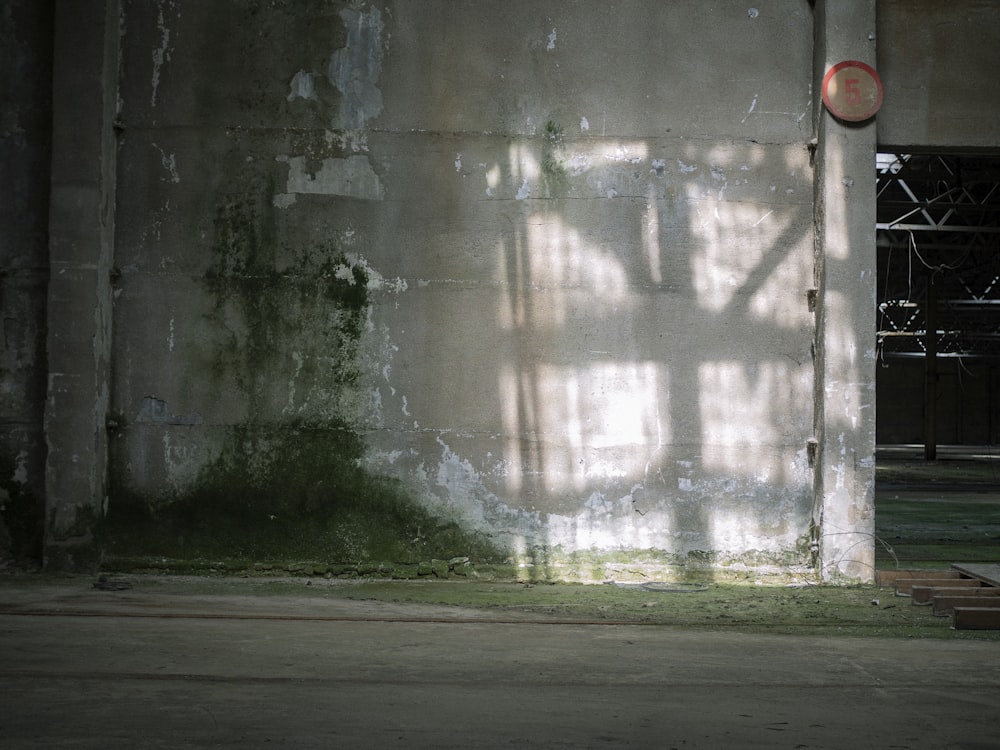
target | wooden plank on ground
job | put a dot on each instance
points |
(944, 604)
(976, 618)
(889, 577)
(904, 586)
(924, 594)
(985, 572)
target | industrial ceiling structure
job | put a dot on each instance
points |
(938, 238)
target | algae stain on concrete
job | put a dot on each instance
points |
(296, 318)
(21, 516)
(292, 492)
(284, 479)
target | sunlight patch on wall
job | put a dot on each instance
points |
(843, 355)
(748, 413)
(734, 250)
(781, 297)
(609, 524)
(574, 418)
(524, 168)
(550, 257)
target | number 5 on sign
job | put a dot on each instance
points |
(852, 91)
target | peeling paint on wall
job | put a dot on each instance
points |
(355, 69)
(352, 177)
(161, 54)
(302, 86)
(169, 162)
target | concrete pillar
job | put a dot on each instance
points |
(25, 139)
(81, 238)
(844, 514)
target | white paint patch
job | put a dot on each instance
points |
(455, 473)
(352, 177)
(524, 191)
(169, 163)
(623, 154)
(355, 140)
(299, 361)
(686, 168)
(302, 86)
(584, 125)
(355, 69)
(162, 53)
(552, 41)
(376, 281)
(178, 462)
(458, 162)
(492, 180)
(578, 163)
(170, 336)
(21, 468)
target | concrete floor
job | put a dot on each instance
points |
(107, 669)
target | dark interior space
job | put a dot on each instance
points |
(938, 314)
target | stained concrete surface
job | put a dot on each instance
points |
(87, 668)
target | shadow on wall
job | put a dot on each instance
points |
(655, 386)
(660, 372)
(651, 349)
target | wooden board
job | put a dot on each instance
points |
(944, 604)
(985, 572)
(924, 594)
(904, 586)
(889, 577)
(976, 618)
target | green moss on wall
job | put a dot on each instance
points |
(554, 160)
(22, 515)
(297, 314)
(291, 492)
(285, 482)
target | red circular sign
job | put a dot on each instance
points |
(852, 91)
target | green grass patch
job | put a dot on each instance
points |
(841, 611)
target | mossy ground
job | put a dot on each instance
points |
(834, 611)
(923, 527)
(929, 514)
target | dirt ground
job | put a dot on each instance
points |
(155, 662)
(219, 661)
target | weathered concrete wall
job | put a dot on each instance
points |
(525, 280)
(845, 310)
(937, 61)
(25, 143)
(572, 286)
(81, 247)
